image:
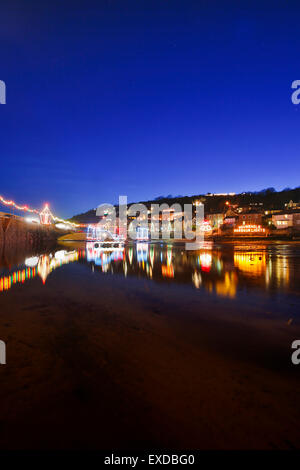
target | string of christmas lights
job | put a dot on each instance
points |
(46, 209)
(16, 206)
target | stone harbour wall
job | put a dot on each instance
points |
(16, 231)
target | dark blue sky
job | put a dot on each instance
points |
(146, 98)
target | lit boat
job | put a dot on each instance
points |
(100, 254)
(104, 238)
(142, 234)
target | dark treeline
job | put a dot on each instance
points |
(267, 198)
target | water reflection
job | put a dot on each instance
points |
(205, 261)
(48, 263)
(40, 266)
(220, 270)
(250, 263)
(226, 287)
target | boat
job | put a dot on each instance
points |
(142, 234)
(103, 238)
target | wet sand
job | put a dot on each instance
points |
(127, 364)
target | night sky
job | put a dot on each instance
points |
(146, 98)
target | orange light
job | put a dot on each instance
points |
(167, 271)
(249, 229)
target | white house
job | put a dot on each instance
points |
(288, 219)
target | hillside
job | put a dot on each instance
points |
(267, 198)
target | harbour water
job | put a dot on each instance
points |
(150, 346)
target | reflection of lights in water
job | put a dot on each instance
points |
(45, 265)
(167, 271)
(117, 255)
(130, 255)
(278, 269)
(103, 261)
(6, 282)
(104, 256)
(219, 265)
(268, 272)
(250, 262)
(169, 255)
(197, 279)
(31, 262)
(152, 253)
(257, 262)
(205, 261)
(282, 270)
(142, 252)
(60, 255)
(203, 245)
(227, 288)
(99, 260)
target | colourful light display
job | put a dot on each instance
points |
(45, 215)
(249, 229)
(6, 282)
(44, 265)
(250, 262)
(205, 226)
(205, 261)
(228, 286)
(16, 206)
(167, 271)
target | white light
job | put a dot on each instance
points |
(32, 220)
(60, 254)
(31, 262)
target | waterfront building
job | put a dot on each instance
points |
(215, 220)
(231, 218)
(250, 218)
(287, 219)
(292, 205)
